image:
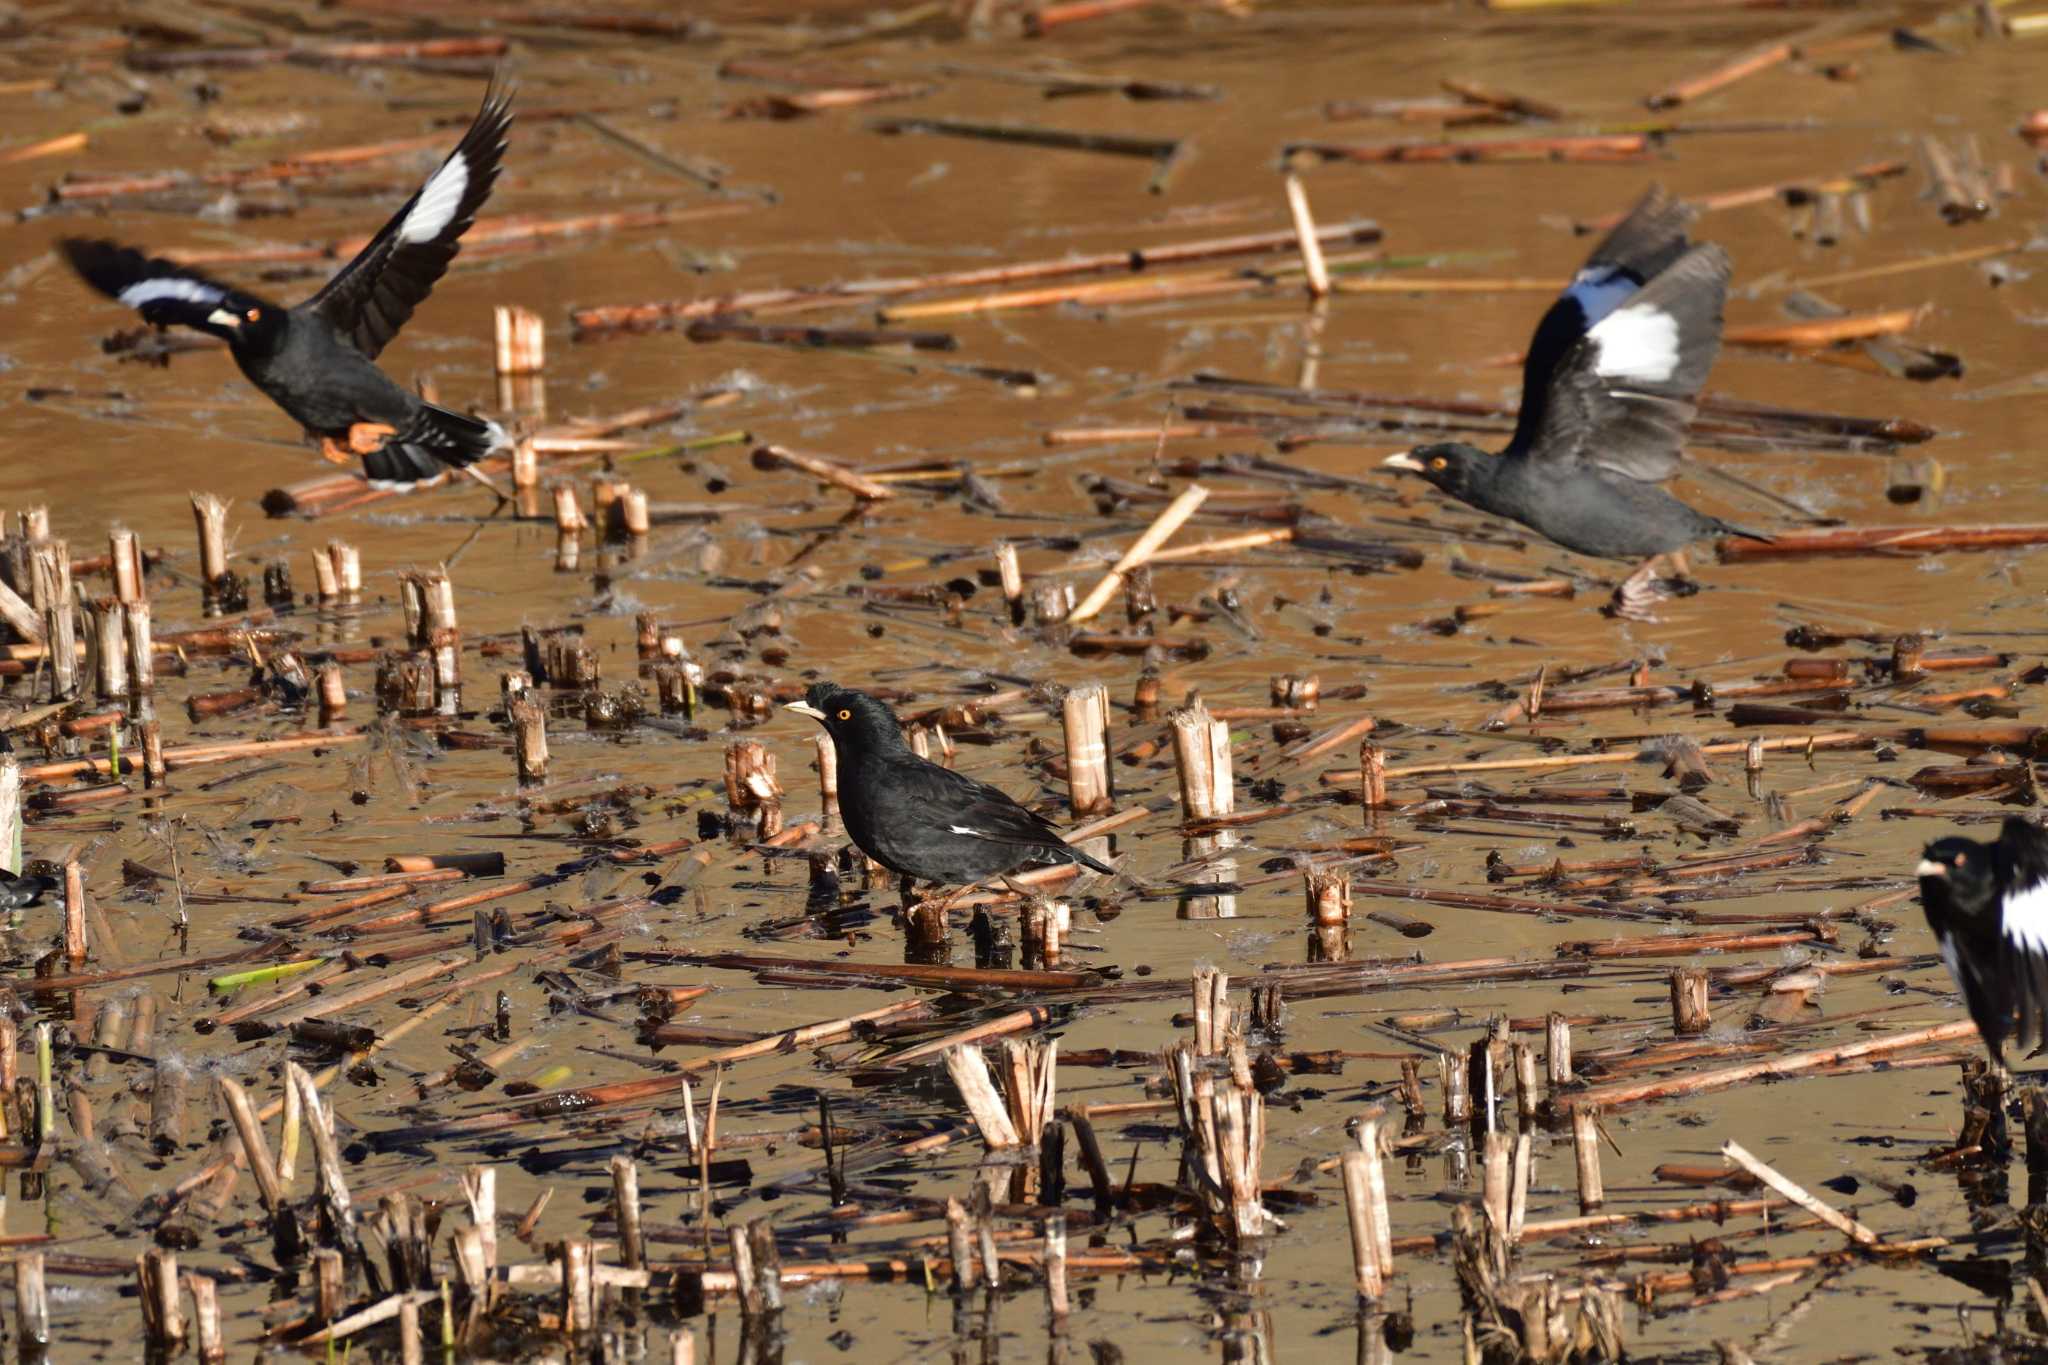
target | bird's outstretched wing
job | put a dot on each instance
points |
(2022, 859)
(1638, 249)
(373, 295)
(164, 293)
(1621, 396)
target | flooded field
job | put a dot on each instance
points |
(837, 302)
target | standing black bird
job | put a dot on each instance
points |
(314, 359)
(1988, 907)
(1607, 390)
(916, 818)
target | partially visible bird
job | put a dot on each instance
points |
(1988, 907)
(315, 359)
(918, 819)
(1607, 390)
(25, 890)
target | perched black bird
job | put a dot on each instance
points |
(315, 359)
(1988, 907)
(1607, 390)
(21, 892)
(918, 819)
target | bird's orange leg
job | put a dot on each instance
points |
(365, 437)
(334, 452)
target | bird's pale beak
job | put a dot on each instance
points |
(1930, 868)
(804, 708)
(1405, 460)
(221, 317)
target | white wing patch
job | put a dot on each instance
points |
(2025, 914)
(439, 198)
(1638, 342)
(170, 287)
(1599, 290)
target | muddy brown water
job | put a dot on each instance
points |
(101, 441)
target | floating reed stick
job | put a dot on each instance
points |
(824, 470)
(1170, 519)
(1738, 1155)
(1885, 540)
(1313, 265)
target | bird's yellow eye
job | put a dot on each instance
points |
(1439, 462)
(253, 314)
(846, 715)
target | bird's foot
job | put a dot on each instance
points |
(334, 452)
(365, 438)
(1642, 590)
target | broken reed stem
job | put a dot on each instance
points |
(124, 563)
(1367, 1274)
(969, 1070)
(1586, 1154)
(1557, 1052)
(1085, 713)
(529, 738)
(569, 528)
(159, 1292)
(31, 1305)
(1011, 574)
(210, 1344)
(1169, 520)
(268, 1186)
(75, 944)
(1056, 1266)
(1329, 895)
(1690, 1013)
(211, 515)
(1201, 751)
(52, 570)
(626, 1211)
(141, 646)
(109, 648)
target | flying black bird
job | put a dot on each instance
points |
(1988, 907)
(21, 892)
(1607, 390)
(918, 819)
(316, 359)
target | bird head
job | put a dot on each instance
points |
(249, 325)
(855, 720)
(1959, 868)
(1451, 465)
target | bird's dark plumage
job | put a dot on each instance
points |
(1988, 907)
(315, 359)
(919, 819)
(21, 892)
(1608, 388)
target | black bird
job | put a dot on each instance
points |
(918, 819)
(21, 892)
(1607, 390)
(1988, 907)
(315, 359)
